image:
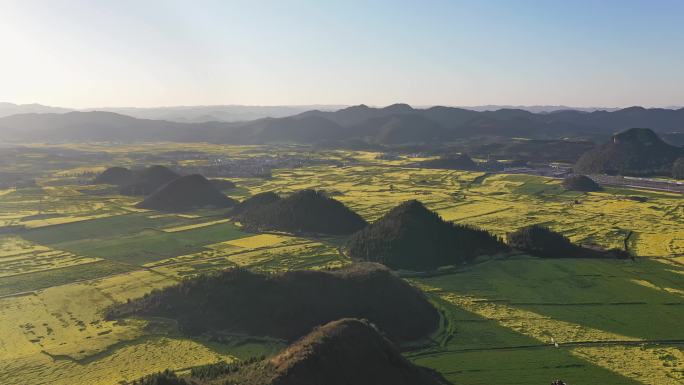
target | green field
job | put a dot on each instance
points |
(142, 242)
(517, 308)
(615, 322)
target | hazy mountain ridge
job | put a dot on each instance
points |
(182, 114)
(395, 124)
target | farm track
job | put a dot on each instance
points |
(550, 345)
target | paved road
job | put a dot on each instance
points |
(642, 183)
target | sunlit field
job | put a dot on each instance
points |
(69, 250)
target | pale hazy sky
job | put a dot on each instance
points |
(523, 52)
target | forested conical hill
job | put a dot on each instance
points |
(306, 211)
(255, 202)
(414, 238)
(451, 162)
(186, 193)
(341, 352)
(582, 183)
(290, 304)
(148, 180)
(114, 175)
(636, 152)
(346, 351)
(540, 241)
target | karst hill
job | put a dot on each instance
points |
(540, 241)
(114, 175)
(186, 193)
(412, 237)
(305, 211)
(346, 351)
(341, 352)
(635, 152)
(290, 304)
(580, 183)
(137, 182)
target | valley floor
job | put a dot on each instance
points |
(76, 249)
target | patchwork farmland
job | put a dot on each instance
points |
(70, 250)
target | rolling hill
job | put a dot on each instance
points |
(148, 180)
(136, 182)
(186, 193)
(411, 237)
(114, 175)
(346, 351)
(306, 211)
(289, 305)
(451, 162)
(342, 352)
(635, 152)
(543, 242)
(582, 183)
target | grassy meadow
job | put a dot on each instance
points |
(514, 320)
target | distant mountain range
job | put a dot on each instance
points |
(541, 109)
(183, 114)
(241, 113)
(391, 125)
(7, 109)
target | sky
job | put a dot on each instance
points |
(143, 53)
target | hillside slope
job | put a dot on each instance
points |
(414, 238)
(185, 193)
(306, 211)
(635, 152)
(342, 352)
(289, 305)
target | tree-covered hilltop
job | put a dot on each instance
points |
(412, 237)
(451, 162)
(290, 304)
(148, 180)
(114, 175)
(137, 182)
(222, 184)
(254, 203)
(581, 183)
(306, 211)
(186, 193)
(540, 241)
(341, 352)
(636, 152)
(346, 351)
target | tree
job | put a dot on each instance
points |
(678, 169)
